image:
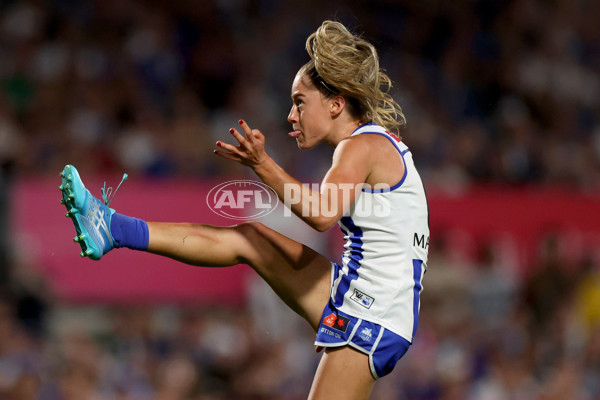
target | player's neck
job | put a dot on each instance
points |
(341, 130)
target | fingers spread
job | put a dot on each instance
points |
(250, 149)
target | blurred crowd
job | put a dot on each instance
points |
(486, 333)
(495, 92)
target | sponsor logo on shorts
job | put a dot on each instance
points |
(331, 333)
(366, 334)
(330, 319)
(336, 322)
(361, 298)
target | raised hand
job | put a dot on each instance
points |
(251, 148)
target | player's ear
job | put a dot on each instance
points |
(336, 106)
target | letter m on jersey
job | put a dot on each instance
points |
(421, 241)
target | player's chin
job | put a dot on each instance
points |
(303, 144)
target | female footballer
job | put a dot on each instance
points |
(364, 308)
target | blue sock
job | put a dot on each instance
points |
(129, 232)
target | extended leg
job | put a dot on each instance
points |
(298, 274)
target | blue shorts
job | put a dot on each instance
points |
(383, 346)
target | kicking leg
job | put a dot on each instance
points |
(300, 276)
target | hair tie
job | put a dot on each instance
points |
(322, 82)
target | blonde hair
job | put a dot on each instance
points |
(345, 64)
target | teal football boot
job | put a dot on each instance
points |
(90, 216)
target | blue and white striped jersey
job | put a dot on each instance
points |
(387, 240)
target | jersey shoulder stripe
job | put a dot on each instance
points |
(372, 129)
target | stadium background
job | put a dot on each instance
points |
(503, 103)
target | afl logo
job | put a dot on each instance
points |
(242, 199)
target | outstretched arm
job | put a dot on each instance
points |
(350, 168)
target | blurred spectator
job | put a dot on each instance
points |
(10, 149)
(549, 285)
(493, 289)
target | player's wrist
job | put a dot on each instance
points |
(263, 165)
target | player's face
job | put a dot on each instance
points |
(310, 115)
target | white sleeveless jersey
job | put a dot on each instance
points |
(387, 239)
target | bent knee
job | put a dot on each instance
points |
(262, 245)
(251, 231)
(251, 239)
(249, 228)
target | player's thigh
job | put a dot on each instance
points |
(298, 274)
(343, 373)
